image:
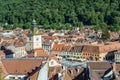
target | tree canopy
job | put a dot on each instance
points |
(52, 13)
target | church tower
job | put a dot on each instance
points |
(34, 23)
(35, 39)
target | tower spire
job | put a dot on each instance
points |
(34, 23)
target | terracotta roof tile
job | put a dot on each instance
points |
(77, 48)
(53, 71)
(67, 77)
(99, 69)
(100, 48)
(57, 47)
(50, 37)
(67, 48)
(20, 66)
(33, 76)
(41, 53)
(74, 73)
(99, 65)
(68, 74)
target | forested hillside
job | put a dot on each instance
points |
(60, 14)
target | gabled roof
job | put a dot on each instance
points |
(67, 48)
(40, 53)
(21, 66)
(50, 37)
(68, 73)
(99, 69)
(57, 47)
(74, 74)
(53, 71)
(94, 75)
(67, 77)
(20, 42)
(90, 49)
(77, 48)
(99, 65)
(101, 48)
(34, 75)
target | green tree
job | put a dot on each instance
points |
(53, 12)
(68, 26)
(46, 26)
(105, 35)
(27, 25)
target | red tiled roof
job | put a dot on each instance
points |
(73, 73)
(67, 77)
(69, 73)
(51, 55)
(50, 37)
(57, 47)
(41, 53)
(20, 66)
(20, 42)
(99, 65)
(99, 48)
(34, 76)
(98, 69)
(53, 71)
(67, 48)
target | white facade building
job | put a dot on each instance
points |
(34, 42)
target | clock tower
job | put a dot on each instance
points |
(35, 38)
